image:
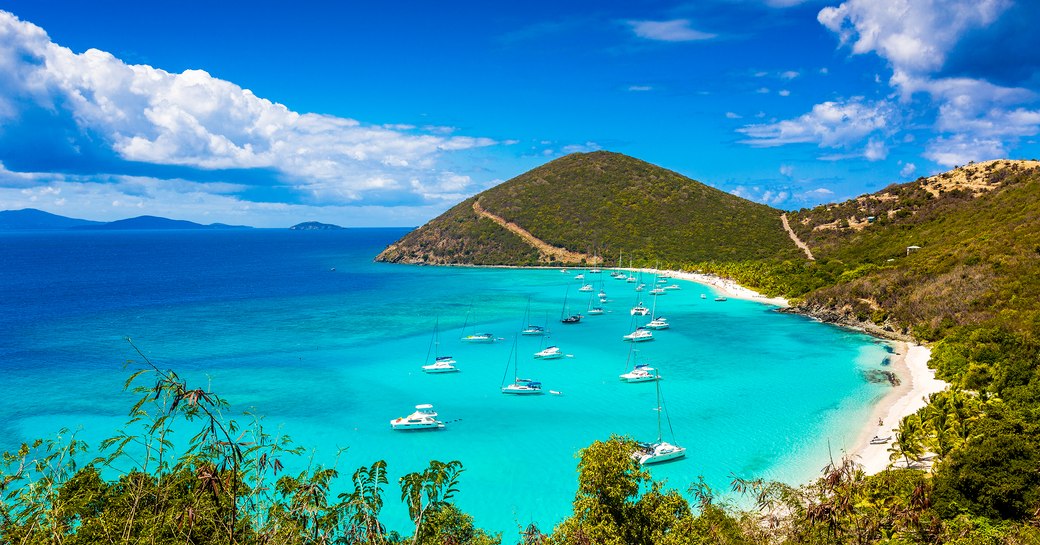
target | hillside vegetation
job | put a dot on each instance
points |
(603, 204)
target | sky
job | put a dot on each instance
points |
(269, 113)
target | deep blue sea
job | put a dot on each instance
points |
(304, 328)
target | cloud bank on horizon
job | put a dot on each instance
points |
(123, 114)
(90, 135)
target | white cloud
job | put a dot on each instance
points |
(762, 90)
(975, 119)
(908, 170)
(582, 148)
(676, 30)
(784, 93)
(913, 35)
(786, 170)
(959, 149)
(876, 150)
(731, 115)
(193, 119)
(638, 88)
(829, 125)
(790, 74)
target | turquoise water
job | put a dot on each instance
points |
(330, 356)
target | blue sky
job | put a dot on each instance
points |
(371, 114)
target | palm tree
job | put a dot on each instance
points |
(908, 440)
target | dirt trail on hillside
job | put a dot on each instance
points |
(797, 241)
(548, 251)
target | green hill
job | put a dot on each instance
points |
(600, 204)
(960, 248)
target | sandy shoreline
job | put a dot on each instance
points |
(909, 362)
(727, 286)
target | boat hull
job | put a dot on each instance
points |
(520, 390)
(430, 369)
(661, 453)
(416, 427)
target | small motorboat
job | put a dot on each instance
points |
(671, 287)
(443, 364)
(721, 299)
(657, 291)
(550, 353)
(533, 330)
(880, 440)
(424, 418)
(594, 311)
(639, 310)
(572, 319)
(586, 288)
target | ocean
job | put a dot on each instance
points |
(303, 328)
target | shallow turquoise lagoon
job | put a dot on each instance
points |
(306, 330)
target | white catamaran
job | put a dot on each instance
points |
(660, 450)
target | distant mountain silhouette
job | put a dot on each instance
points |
(155, 222)
(32, 219)
(315, 226)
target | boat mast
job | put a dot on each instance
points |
(563, 311)
(660, 434)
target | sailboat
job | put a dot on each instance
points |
(564, 318)
(531, 329)
(441, 364)
(519, 386)
(640, 372)
(657, 322)
(593, 311)
(475, 337)
(661, 450)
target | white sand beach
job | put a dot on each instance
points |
(910, 364)
(727, 286)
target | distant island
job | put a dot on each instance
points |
(315, 226)
(30, 219)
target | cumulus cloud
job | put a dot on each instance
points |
(908, 170)
(914, 35)
(974, 118)
(638, 88)
(828, 125)
(675, 30)
(192, 119)
(732, 115)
